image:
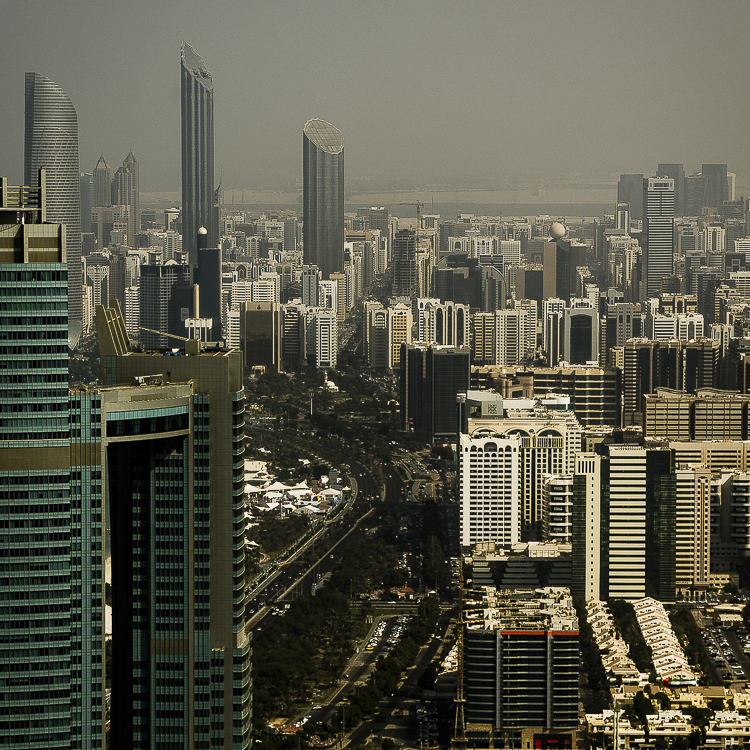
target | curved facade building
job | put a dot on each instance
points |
(51, 141)
(197, 127)
(323, 196)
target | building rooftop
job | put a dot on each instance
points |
(324, 135)
(193, 63)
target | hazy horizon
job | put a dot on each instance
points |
(504, 96)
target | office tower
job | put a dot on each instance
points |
(293, 337)
(208, 278)
(310, 286)
(431, 377)
(43, 637)
(166, 300)
(679, 365)
(51, 141)
(677, 173)
(197, 130)
(379, 220)
(102, 181)
(692, 530)
(86, 184)
(580, 339)
(515, 337)
(630, 190)
(338, 281)
(622, 217)
(398, 332)
(290, 234)
(260, 334)
(708, 414)
(483, 339)
(562, 258)
(374, 333)
(488, 480)
(590, 528)
(717, 187)
(714, 240)
(520, 667)
(181, 655)
(405, 281)
(125, 192)
(661, 520)
(324, 351)
(658, 232)
(323, 196)
(695, 193)
(641, 513)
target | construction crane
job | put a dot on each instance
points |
(419, 206)
(162, 333)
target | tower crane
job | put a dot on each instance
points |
(419, 206)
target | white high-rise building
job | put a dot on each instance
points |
(511, 252)
(326, 339)
(550, 439)
(627, 522)
(557, 508)
(488, 488)
(587, 548)
(233, 328)
(133, 311)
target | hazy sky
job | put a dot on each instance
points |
(518, 92)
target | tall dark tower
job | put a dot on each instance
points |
(323, 196)
(677, 173)
(717, 189)
(197, 122)
(51, 141)
(209, 283)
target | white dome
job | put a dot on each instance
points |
(557, 230)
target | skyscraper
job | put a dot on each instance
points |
(197, 128)
(323, 196)
(102, 183)
(658, 231)
(677, 173)
(405, 278)
(166, 301)
(39, 637)
(630, 190)
(181, 655)
(51, 141)
(717, 187)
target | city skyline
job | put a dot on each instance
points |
(583, 108)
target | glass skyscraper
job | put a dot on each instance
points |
(39, 704)
(323, 196)
(175, 478)
(197, 127)
(658, 230)
(51, 141)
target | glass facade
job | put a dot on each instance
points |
(37, 629)
(323, 196)
(51, 141)
(197, 123)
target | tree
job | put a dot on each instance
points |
(642, 707)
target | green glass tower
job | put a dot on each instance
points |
(39, 703)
